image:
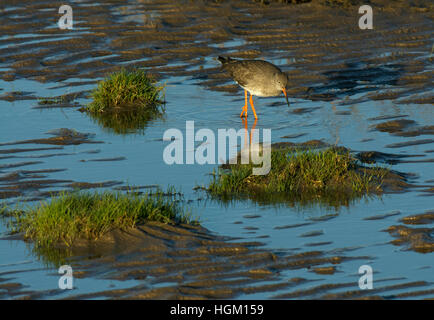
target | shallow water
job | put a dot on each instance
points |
(343, 107)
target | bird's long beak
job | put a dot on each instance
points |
(286, 96)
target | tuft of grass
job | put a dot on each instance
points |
(125, 89)
(77, 215)
(331, 176)
(126, 101)
(51, 100)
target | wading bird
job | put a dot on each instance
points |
(260, 78)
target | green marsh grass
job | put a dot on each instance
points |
(89, 215)
(331, 176)
(126, 101)
(125, 88)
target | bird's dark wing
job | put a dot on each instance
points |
(246, 71)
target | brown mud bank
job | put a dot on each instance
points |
(318, 43)
(189, 262)
(416, 234)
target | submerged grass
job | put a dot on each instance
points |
(89, 215)
(331, 176)
(126, 101)
(51, 100)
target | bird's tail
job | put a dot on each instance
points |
(224, 60)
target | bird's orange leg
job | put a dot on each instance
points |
(245, 106)
(246, 129)
(253, 107)
(251, 131)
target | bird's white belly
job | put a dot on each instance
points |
(260, 93)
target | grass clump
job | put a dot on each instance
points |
(126, 101)
(89, 215)
(331, 176)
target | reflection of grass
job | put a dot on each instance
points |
(126, 120)
(332, 177)
(126, 101)
(89, 215)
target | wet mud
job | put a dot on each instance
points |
(63, 137)
(416, 234)
(328, 59)
(189, 262)
(22, 183)
(184, 35)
